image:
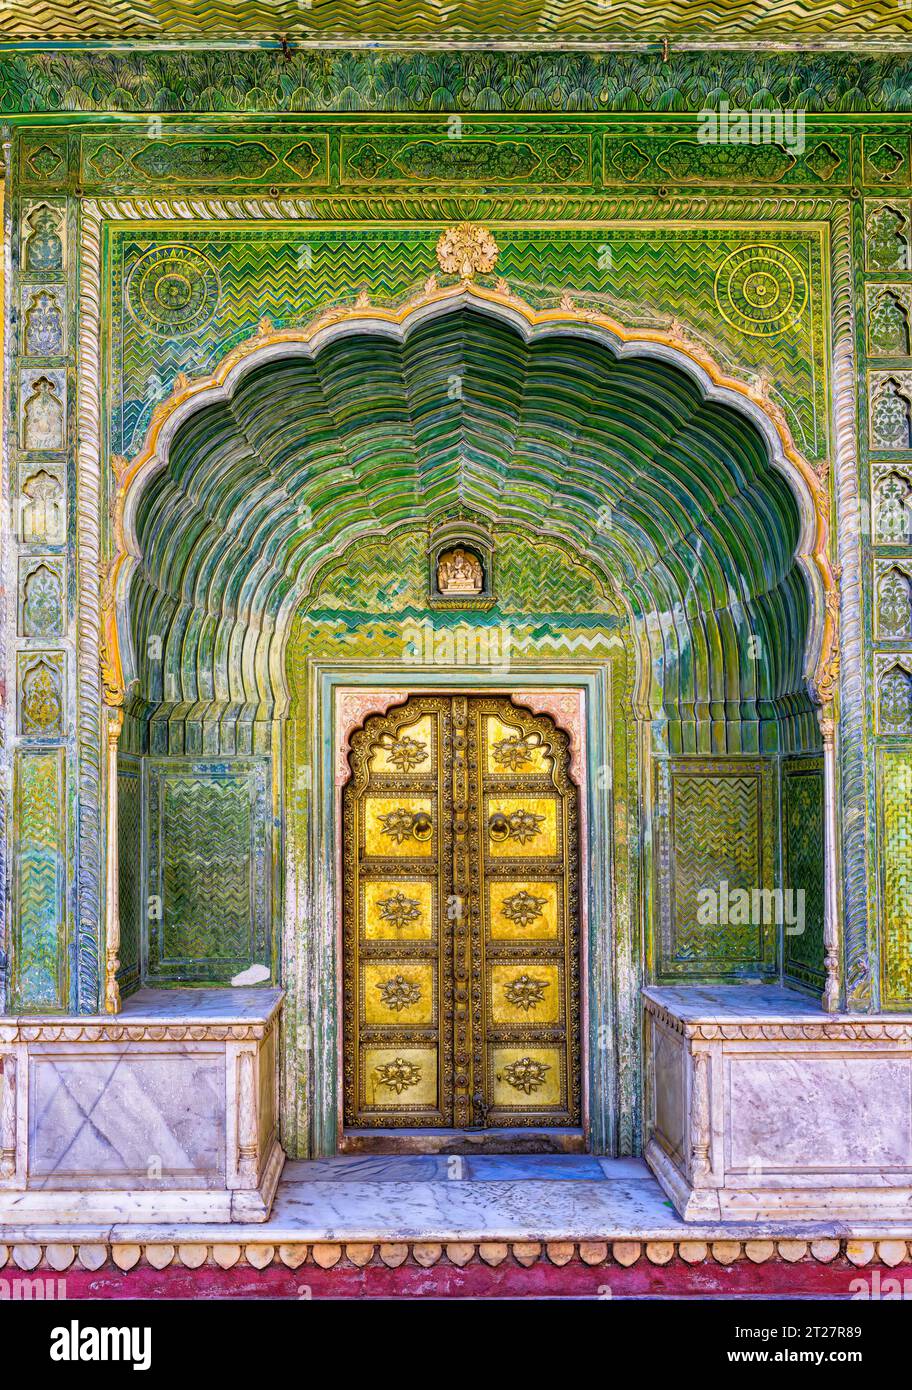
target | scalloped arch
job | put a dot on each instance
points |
(682, 486)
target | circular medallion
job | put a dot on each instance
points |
(173, 290)
(761, 290)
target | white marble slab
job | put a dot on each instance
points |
(106, 1117)
(751, 1003)
(240, 1004)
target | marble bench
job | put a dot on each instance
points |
(164, 1112)
(760, 1106)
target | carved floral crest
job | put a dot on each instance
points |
(466, 250)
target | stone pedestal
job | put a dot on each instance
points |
(760, 1106)
(165, 1112)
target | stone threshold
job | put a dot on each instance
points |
(624, 1206)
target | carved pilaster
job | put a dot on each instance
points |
(247, 1119)
(112, 869)
(88, 551)
(832, 985)
(700, 1132)
(8, 1117)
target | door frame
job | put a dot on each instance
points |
(340, 697)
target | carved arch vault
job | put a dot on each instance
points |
(680, 484)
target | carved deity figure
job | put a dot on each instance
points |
(458, 572)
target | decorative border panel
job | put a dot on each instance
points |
(209, 869)
(39, 955)
(716, 844)
(803, 869)
(894, 778)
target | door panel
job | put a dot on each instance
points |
(461, 919)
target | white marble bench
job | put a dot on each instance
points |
(165, 1112)
(760, 1106)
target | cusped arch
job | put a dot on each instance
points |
(253, 478)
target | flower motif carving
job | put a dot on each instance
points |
(398, 993)
(399, 910)
(512, 753)
(515, 825)
(525, 992)
(406, 753)
(397, 824)
(522, 907)
(398, 1075)
(401, 824)
(526, 1075)
(466, 250)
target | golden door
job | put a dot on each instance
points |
(461, 903)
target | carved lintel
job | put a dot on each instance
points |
(699, 1116)
(8, 1117)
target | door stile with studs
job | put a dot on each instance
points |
(461, 919)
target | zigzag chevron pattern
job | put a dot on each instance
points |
(39, 931)
(804, 836)
(717, 839)
(129, 831)
(440, 20)
(207, 861)
(896, 775)
(287, 280)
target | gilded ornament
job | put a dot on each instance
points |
(466, 250)
(399, 910)
(398, 1075)
(526, 1075)
(399, 993)
(518, 825)
(525, 992)
(406, 753)
(523, 907)
(512, 753)
(402, 824)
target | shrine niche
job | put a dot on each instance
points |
(43, 234)
(893, 510)
(888, 238)
(459, 572)
(895, 698)
(43, 317)
(461, 561)
(41, 509)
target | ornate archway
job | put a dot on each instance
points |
(678, 486)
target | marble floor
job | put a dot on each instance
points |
(452, 1197)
